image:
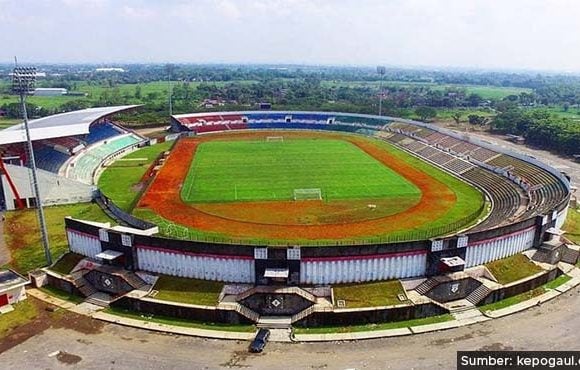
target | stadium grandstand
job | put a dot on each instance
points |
(68, 148)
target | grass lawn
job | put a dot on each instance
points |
(62, 294)
(119, 179)
(369, 295)
(260, 170)
(23, 313)
(23, 237)
(67, 263)
(246, 328)
(562, 279)
(513, 300)
(512, 268)
(572, 225)
(186, 290)
(370, 327)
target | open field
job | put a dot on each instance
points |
(225, 171)
(486, 92)
(23, 237)
(445, 200)
(121, 180)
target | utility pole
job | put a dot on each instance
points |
(169, 68)
(23, 79)
(381, 71)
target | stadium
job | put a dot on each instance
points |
(280, 206)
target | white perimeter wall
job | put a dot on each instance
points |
(486, 251)
(84, 244)
(357, 269)
(206, 267)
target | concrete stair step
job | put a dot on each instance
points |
(274, 322)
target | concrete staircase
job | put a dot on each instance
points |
(274, 322)
(100, 299)
(426, 286)
(87, 289)
(478, 295)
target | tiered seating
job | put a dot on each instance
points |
(458, 166)
(259, 117)
(547, 191)
(441, 157)
(65, 144)
(49, 159)
(310, 118)
(429, 151)
(435, 137)
(463, 147)
(397, 137)
(88, 161)
(213, 123)
(448, 141)
(415, 146)
(505, 195)
(360, 120)
(483, 154)
(424, 133)
(102, 131)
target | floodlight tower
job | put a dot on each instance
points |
(23, 79)
(381, 71)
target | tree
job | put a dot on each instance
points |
(138, 94)
(426, 113)
(475, 119)
(456, 117)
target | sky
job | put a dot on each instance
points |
(486, 34)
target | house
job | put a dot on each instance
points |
(11, 289)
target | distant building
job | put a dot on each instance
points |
(110, 69)
(45, 91)
(11, 288)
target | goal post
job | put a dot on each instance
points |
(274, 138)
(308, 194)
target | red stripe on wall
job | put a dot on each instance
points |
(372, 256)
(207, 255)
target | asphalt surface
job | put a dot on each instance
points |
(553, 326)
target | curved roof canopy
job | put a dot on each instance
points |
(59, 125)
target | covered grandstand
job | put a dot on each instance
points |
(69, 148)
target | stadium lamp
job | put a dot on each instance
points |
(381, 71)
(23, 80)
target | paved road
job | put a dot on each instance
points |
(554, 325)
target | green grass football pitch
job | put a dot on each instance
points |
(225, 171)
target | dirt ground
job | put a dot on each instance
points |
(163, 197)
(47, 318)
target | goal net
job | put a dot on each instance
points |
(275, 138)
(307, 194)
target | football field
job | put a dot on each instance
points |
(259, 170)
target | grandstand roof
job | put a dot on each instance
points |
(58, 125)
